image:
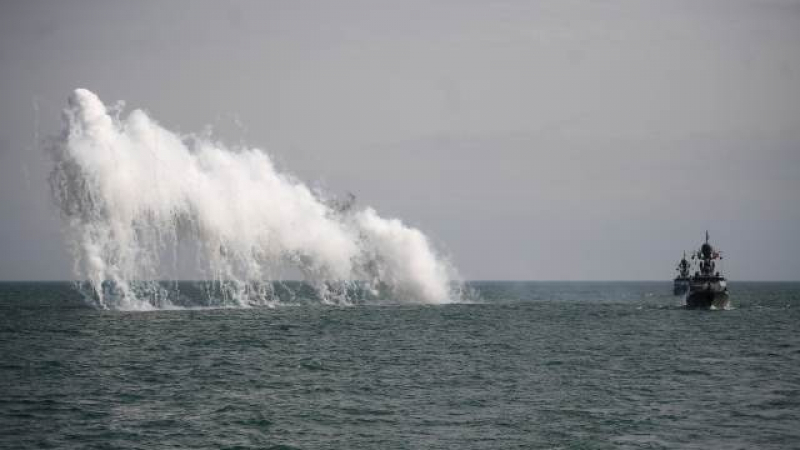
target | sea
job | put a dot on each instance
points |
(525, 365)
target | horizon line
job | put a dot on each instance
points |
(476, 280)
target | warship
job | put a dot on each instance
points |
(681, 283)
(707, 287)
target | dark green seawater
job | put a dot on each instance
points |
(533, 365)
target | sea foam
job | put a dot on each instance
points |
(137, 199)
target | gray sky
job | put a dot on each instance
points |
(531, 140)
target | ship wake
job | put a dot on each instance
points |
(138, 201)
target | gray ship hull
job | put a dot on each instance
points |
(707, 299)
(680, 286)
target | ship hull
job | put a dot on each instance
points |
(680, 287)
(707, 299)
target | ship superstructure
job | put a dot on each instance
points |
(681, 283)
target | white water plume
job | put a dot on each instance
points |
(135, 196)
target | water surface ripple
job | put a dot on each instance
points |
(535, 365)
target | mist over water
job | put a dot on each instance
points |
(138, 200)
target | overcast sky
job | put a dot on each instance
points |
(531, 140)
